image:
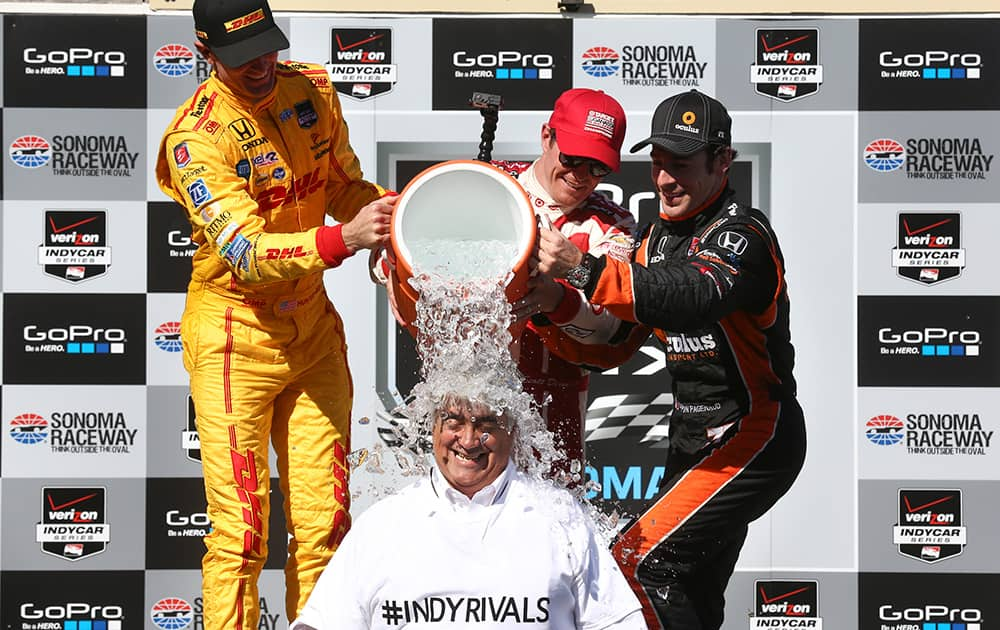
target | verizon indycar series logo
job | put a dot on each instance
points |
(76, 155)
(928, 247)
(786, 604)
(929, 64)
(931, 158)
(930, 524)
(76, 244)
(171, 613)
(956, 434)
(74, 524)
(361, 62)
(786, 65)
(77, 431)
(647, 65)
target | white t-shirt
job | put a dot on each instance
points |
(519, 554)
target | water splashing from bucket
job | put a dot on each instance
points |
(463, 321)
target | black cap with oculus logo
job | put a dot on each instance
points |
(686, 123)
(237, 31)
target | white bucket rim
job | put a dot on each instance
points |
(512, 186)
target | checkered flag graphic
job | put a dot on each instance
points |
(636, 417)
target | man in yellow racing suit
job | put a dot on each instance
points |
(258, 157)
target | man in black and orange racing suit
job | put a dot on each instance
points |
(708, 276)
(259, 156)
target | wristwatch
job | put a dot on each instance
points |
(579, 276)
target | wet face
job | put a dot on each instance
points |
(567, 186)
(252, 81)
(684, 184)
(471, 445)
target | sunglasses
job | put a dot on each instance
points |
(596, 168)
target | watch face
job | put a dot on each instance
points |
(578, 276)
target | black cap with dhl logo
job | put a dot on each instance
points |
(237, 31)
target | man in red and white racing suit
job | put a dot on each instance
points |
(258, 157)
(565, 335)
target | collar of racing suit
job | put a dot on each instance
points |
(540, 198)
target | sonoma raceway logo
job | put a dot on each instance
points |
(647, 65)
(930, 525)
(174, 60)
(171, 613)
(928, 247)
(931, 433)
(361, 62)
(75, 246)
(787, 63)
(786, 604)
(268, 620)
(73, 523)
(930, 158)
(77, 432)
(76, 156)
(167, 337)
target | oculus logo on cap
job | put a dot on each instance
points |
(688, 118)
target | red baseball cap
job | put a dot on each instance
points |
(589, 123)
